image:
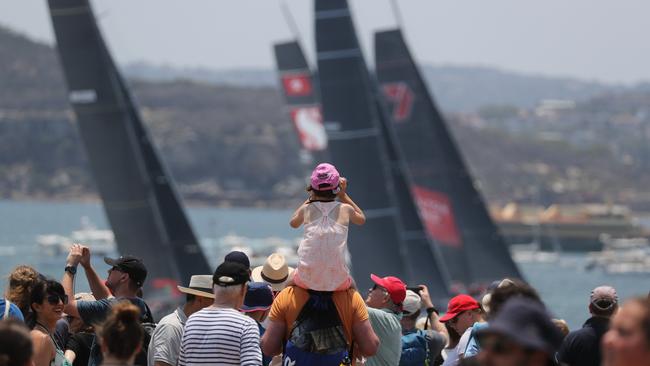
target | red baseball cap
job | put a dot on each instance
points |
(395, 287)
(457, 305)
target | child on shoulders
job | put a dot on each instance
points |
(322, 251)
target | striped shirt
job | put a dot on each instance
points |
(220, 336)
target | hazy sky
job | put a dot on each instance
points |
(592, 39)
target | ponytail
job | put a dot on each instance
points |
(122, 333)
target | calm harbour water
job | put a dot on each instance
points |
(563, 284)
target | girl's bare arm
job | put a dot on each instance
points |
(298, 216)
(356, 214)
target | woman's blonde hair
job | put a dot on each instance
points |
(21, 282)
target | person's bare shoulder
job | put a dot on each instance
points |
(346, 207)
(41, 340)
(38, 336)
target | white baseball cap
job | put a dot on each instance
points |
(412, 303)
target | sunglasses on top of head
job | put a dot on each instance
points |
(53, 299)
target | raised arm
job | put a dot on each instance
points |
(356, 214)
(74, 257)
(97, 286)
(298, 216)
(433, 316)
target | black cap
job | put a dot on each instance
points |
(230, 274)
(527, 323)
(131, 265)
(238, 257)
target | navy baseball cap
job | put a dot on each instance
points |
(527, 323)
(238, 257)
(231, 274)
(259, 297)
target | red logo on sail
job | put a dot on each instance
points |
(308, 122)
(297, 85)
(401, 97)
(166, 285)
(437, 215)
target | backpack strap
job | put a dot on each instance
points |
(426, 347)
(349, 359)
(7, 308)
(148, 316)
(469, 339)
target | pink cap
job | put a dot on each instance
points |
(325, 177)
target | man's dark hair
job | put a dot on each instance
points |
(502, 294)
(189, 298)
(133, 285)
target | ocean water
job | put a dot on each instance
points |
(564, 284)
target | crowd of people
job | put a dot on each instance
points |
(311, 315)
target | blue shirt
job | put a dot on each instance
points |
(95, 312)
(266, 360)
(473, 347)
(14, 312)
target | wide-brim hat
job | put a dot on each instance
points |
(200, 285)
(275, 272)
(259, 297)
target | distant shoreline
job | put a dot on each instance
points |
(187, 202)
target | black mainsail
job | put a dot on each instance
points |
(139, 197)
(427, 265)
(300, 92)
(355, 143)
(450, 206)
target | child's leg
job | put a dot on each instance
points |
(295, 281)
(347, 284)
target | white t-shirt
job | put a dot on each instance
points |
(452, 354)
(165, 344)
(220, 336)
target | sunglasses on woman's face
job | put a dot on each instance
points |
(53, 299)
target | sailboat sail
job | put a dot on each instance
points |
(139, 197)
(300, 92)
(426, 263)
(355, 143)
(451, 208)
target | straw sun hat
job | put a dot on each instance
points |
(200, 285)
(275, 272)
